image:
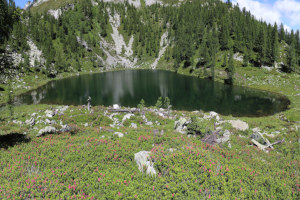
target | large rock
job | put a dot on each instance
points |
(46, 130)
(180, 125)
(239, 125)
(144, 163)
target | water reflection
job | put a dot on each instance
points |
(127, 88)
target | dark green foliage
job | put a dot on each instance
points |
(159, 102)
(230, 68)
(197, 29)
(167, 102)
(196, 127)
(141, 105)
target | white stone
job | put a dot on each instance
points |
(149, 123)
(239, 125)
(47, 129)
(116, 106)
(49, 113)
(30, 122)
(144, 163)
(212, 115)
(133, 125)
(127, 116)
(119, 134)
(180, 125)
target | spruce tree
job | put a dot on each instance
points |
(230, 69)
(275, 45)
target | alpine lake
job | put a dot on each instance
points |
(128, 87)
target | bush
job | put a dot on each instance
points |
(197, 128)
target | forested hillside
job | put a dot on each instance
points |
(199, 35)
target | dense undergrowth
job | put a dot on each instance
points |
(91, 162)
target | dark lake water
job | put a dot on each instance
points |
(128, 87)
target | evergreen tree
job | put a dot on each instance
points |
(225, 58)
(275, 45)
(246, 57)
(292, 59)
(230, 69)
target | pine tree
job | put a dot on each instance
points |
(275, 45)
(262, 46)
(282, 32)
(230, 69)
(246, 57)
(214, 48)
(225, 58)
(292, 61)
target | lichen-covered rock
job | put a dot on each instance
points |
(144, 163)
(46, 130)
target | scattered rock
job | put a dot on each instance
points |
(133, 125)
(239, 125)
(46, 130)
(65, 128)
(17, 122)
(30, 122)
(127, 116)
(225, 138)
(142, 159)
(172, 150)
(212, 115)
(48, 121)
(149, 123)
(119, 134)
(116, 106)
(180, 125)
(49, 113)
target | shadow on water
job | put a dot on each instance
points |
(12, 139)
